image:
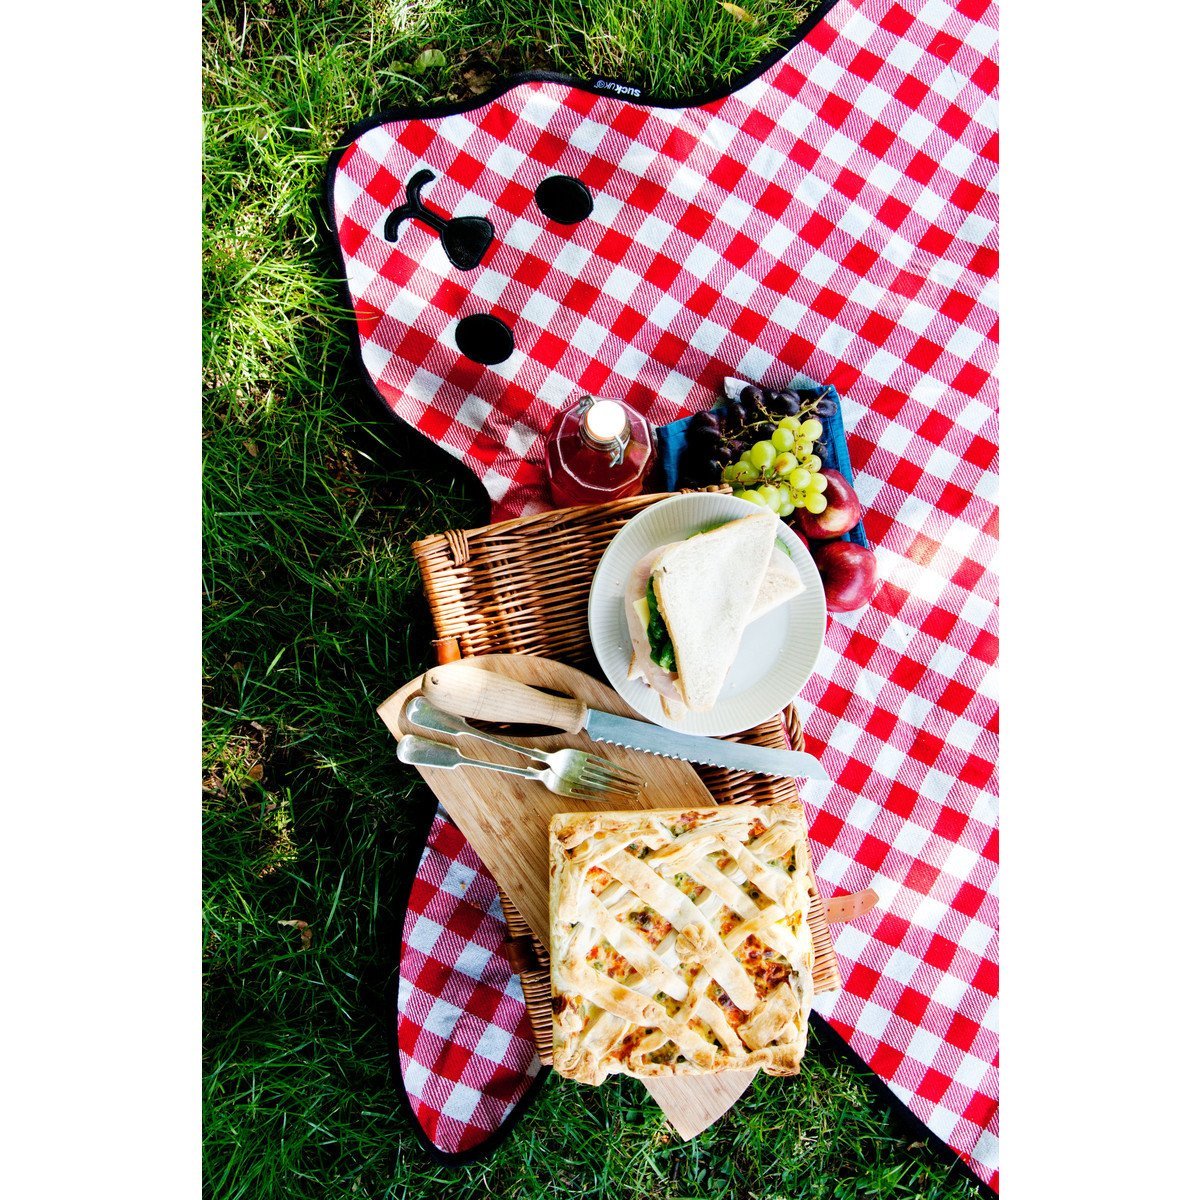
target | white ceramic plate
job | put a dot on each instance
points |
(778, 651)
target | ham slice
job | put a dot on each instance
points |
(663, 682)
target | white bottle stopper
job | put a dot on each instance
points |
(605, 421)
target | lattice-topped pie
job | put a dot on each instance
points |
(680, 940)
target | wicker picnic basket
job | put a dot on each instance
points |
(522, 586)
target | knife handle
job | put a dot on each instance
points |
(485, 696)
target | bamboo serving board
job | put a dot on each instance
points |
(507, 819)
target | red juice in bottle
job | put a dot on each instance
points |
(598, 450)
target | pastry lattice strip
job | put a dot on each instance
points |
(715, 878)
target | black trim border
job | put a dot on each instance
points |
(630, 94)
(597, 86)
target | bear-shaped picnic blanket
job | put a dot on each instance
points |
(833, 215)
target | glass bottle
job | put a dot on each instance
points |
(598, 450)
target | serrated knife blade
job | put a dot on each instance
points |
(690, 747)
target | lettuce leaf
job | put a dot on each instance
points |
(662, 651)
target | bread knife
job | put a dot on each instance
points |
(485, 696)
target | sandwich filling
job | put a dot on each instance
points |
(662, 650)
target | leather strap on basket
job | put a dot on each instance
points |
(846, 908)
(521, 954)
(447, 649)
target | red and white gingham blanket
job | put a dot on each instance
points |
(836, 216)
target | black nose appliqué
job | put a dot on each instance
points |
(465, 239)
(564, 199)
(484, 339)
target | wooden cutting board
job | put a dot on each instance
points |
(507, 819)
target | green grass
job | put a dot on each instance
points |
(314, 613)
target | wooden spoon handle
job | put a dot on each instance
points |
(484, 696)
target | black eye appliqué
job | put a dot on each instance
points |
(465, 239)
(481, 337)
(564, 199)
(484, 339)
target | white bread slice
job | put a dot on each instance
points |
(780, 583)
(707, 587)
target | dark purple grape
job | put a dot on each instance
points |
(737, 447)
(808, 392)
(724, 455)
(756, 409)
(712, 471)
(704, 420)
(784, 404)
(825, 407)
(735, 415)
(704, 438)
(821, 450)
(751, 395)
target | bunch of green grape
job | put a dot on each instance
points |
(781, 472)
